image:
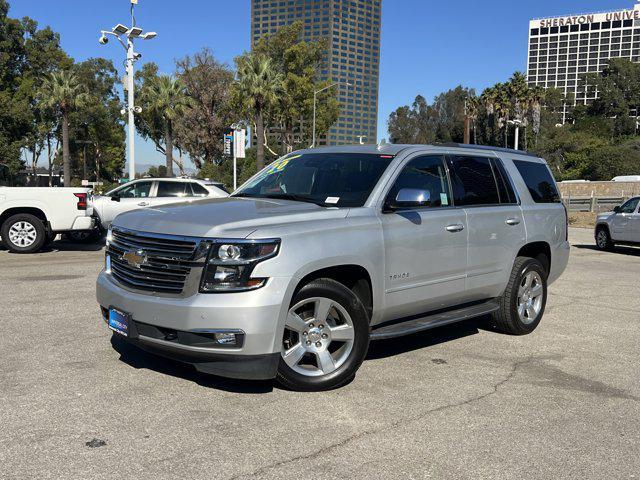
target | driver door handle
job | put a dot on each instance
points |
(456, 227)
(143, 204)
(512, 221)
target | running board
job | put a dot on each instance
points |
(417, 324)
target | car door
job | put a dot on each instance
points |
(635, 227)
(494, 219)
(624, 223)
(426, 247)
(129, 197)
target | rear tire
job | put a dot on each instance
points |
(523, 302)
(326, 337)
(23, 233)
(603, 239)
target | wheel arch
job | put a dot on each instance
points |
(35, 211)
(539, 250)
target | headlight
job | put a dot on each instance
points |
(230, 264)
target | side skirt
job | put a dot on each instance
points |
(409, 325)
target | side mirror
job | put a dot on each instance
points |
(617, 209)
(115, 198)
(410, 198)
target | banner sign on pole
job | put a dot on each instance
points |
(239, 140)
(228, 143)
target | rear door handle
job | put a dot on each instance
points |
(456, 227)
(512, 221)
(143, 204)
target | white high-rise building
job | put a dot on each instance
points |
(563, 49)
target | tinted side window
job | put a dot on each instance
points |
(199, 190)
(505, 189)
(630, 206)
(425, 173)
(137, 190)
(539, 181)
(173, 189)
(473, 181)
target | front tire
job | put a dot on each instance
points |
(523, 302)
(326, 337)
(23, 233)
(603, 239)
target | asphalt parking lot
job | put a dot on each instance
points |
(457, 402)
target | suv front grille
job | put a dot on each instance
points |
(166, 261)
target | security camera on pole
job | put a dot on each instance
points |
(130, 33)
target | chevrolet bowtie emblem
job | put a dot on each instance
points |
(135, 258)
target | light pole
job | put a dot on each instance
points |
(517, 124)
(315, 95)
(130, 33)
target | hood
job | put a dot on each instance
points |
(223, 217)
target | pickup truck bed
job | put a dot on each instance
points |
(30, 216)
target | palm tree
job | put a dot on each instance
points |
(63, 92)
(488, 98)
(166, 97)
(256, 88)
(502, 105)
(537, 96)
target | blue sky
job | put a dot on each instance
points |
(427, 46)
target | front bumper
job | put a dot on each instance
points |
(255, 313)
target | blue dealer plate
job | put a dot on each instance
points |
(119, 322)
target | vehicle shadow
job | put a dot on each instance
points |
(428, 338)
(140, 359)
(64, 245)
(632, 251)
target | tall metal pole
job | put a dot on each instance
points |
(313, 142)
(517, 135)
(131, 106)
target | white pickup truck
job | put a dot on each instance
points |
(32, 216)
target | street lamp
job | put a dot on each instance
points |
(517, 124)
(130, 33)
(315, 95)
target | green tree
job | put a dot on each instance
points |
(162, 99)
(255, 92)
(200, 128)
(62, 92)
(298, 62)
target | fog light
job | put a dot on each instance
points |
(226, 338)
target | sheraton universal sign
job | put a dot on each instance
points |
(588, 18)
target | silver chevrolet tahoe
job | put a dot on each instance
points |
(329, 248)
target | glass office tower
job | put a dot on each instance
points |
(352, 30)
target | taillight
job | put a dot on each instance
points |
(82, 201)
(566, 223)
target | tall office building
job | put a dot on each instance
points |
(352, 29)
(563, 49)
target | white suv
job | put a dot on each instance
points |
(622, 226)
(151, 192)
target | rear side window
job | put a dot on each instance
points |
(473, 181)
(507, 196)
(539, 181)
(173, 189)
(199, 190)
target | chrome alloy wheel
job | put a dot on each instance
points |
(602, 239)
(318, 337)
(530, 296)
(23, 234)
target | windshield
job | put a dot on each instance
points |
(328, 179)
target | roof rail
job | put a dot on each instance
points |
(487, 147)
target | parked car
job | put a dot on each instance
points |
(329, 248)
(627, 178)
(145, 193)
(622, 226)
(32, 216)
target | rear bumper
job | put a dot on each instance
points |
(559, 260)
(83, 223)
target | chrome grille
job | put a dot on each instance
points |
(166, 266)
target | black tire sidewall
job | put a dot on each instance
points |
(41, 233)
(527, 266)
(350, 302)
(609, 243)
